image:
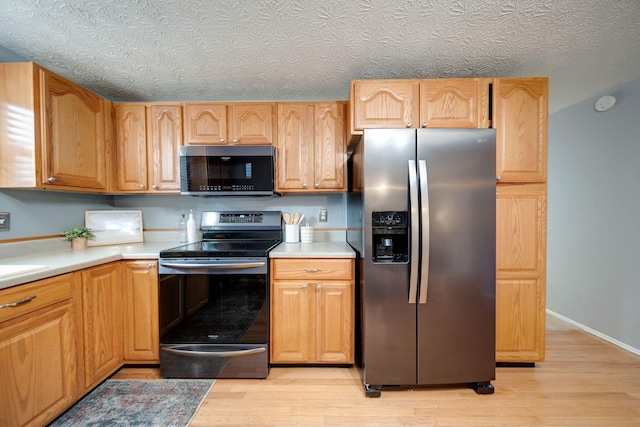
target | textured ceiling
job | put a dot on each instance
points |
(234, 50)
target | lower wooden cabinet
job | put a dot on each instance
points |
(38, 352)
(100, 291)
(141, 330)
(312, 311)
(521, 231)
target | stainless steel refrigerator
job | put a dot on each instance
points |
(421, 214)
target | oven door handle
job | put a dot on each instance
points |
(219, 265)
(214, 353)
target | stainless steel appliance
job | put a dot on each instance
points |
(421, 214)
(214, 298)
(227, 170)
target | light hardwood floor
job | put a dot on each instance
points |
(585, 381)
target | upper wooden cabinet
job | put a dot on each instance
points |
(520, 117)
(148, 137)
(228, 124)
(419, 103)
(52, 131)
(311, 147)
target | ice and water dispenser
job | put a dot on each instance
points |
(390, 231)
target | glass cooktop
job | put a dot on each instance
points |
(221, 248)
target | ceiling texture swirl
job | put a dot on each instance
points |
(278, 50)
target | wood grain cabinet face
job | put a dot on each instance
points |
(39, 352)
(311, 146)
(61, 138)
(100, 289)
(228, 124)
(454, 103)
(312, 316)
(521, 231)
(384, 104)
(148, 139)
(141, 328)
(520, 117)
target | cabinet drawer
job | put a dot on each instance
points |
(44, 292)
(312, 268)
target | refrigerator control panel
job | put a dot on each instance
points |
(390, 236)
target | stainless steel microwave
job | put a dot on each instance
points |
(222, 170)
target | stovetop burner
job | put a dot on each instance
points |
(233, 234)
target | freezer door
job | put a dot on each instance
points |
(456, 301)
(388, 318)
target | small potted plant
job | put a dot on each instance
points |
(79, 237)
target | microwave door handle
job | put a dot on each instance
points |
(415, 233)
(424, 217)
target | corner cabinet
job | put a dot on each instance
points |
(141, 324)
(39, 351)
(61, 142)
(148, 138)
(214, 123)
(311, 147)
(312, 311)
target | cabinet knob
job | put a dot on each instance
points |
(317, 184)
(499, 178)
(154, 186)
(222, 140)
(235, 140)
(151, 264)
(425, 124)
(51, 179)
(304, 185)
(318, 287)
(409, 124)
(303, 287)
(141, 185)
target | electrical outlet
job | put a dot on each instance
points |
(4, 221)
(323, 215)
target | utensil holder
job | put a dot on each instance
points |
(291, 233)
(306, 234)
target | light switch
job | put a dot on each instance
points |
(4, 221)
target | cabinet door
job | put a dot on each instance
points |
(384, 104)
(292, 322)
(520, 117)
(72, 134)
(131, 147)
(164, 138)
(330, 146)
(101, 291)
(251, 124)
(294, 146)
(521, 232)
(141, 327)
(334, 322)
(205, 123)
(454, 103)
(39, 359)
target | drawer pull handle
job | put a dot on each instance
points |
(312, 270)
(15, 304)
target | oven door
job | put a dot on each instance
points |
(214, 318)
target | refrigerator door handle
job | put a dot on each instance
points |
(424, 217)
(415, 232)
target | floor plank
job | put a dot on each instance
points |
(585, 381)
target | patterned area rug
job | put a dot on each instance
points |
(138, 403)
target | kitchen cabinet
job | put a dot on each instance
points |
(521, 230)
(140, 299)
(148, 138)
(520, 117)
(419, 103)
(38, 351)
(100, 316)
(52, 131)
(312, 311)
(311, 147)
(249, 123)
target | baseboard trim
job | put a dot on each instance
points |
(596, 333)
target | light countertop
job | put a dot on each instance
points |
(63, 259)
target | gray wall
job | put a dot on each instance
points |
(594, 215)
